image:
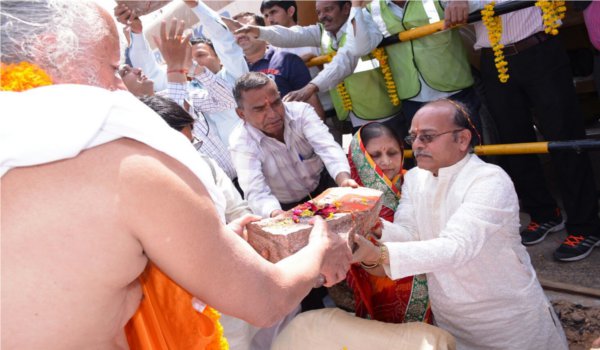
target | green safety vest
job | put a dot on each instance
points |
(366, 87)
(440, 58)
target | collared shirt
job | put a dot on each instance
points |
(214, 97)
(461, 228)
(287, 70)
(516, 25)
(271, 172)
(230, 54)
(233, 64)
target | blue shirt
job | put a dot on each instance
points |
(288, 70)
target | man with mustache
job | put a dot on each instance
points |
(283, 151)
(458, 222)
(329, 35)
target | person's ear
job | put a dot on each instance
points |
(290, 11)
(464, 139)
(347, 8)
(240, 113)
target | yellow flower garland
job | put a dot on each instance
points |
(346, 101)
(494, 27)
(22, 76)
(390, 85)
(552, 13)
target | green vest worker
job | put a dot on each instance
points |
(365, 87)
(425, 69)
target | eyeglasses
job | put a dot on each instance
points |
(427, 138)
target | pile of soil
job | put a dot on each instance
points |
(581, 323)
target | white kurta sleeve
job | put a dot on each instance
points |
(366, 36)
(295, 36)
(228, 51)
(142, 57)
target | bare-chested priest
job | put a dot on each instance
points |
(95, 185)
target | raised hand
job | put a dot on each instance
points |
(174, 45)
(128, 17)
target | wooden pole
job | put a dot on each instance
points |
(531, 148)
(429, 29)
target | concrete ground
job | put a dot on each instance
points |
(585, 273)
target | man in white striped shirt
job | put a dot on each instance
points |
(283, 153)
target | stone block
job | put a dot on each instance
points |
(356, 211)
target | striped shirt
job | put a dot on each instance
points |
(271, 172)
(516, 25)
(214, 96)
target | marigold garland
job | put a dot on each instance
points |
(219, 341)
(390, 85)
(346, 101)
(22, 76)
(552, 13)
(494, 27)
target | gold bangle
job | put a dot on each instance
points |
(367, 266)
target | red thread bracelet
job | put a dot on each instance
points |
(182, 71)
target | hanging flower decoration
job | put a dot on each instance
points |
(494, 27)
(381, 56)
(346, 101)
(22, 76)
(552, 13)
(219, 342)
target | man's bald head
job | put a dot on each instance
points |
(73, 41)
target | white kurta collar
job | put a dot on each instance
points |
(452, 170)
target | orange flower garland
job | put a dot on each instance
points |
(219, 341)
(22, 76)
(346, 101)
(494, 27)
(390, 85)
(552, 12)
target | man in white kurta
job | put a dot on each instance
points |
(458, 222)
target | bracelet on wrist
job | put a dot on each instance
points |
(181, 71)
(368, 266)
